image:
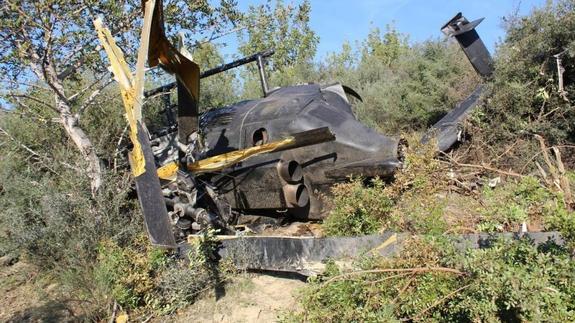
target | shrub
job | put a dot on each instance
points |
(358, 209)
(510, 282)
(409, 203)
(144, 278)
(523, 97)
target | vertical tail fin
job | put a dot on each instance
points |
(465, 34)
(448, 130)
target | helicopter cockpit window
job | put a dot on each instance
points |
(260, 137)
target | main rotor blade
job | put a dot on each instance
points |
(151, 198)
(142, 161)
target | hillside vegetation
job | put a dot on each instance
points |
(68, 208)
(515, 170)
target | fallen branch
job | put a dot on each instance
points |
(395, 270)
(560, 71)
(390, 277)
(487, 168)
(539, 153)
(556, 170)
(114, 311)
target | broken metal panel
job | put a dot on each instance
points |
(448, 131)
(308, 255)
(162, 52)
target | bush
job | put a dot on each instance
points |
(358, 209)
(508, 282)
(523, 97)
(409, 203)
(144, 278)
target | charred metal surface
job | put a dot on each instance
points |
(151, 199)
(449, 129)
(255, 184)
(307, 255)
(187, 114)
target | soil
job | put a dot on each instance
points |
(26, 299)
(251, 298)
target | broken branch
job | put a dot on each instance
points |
(395, 270)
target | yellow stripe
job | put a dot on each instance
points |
(386, 243)
(222, 161)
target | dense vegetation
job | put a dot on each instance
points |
(434, 282)
(67, 204)
(515, 170)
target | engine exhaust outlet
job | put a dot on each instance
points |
(296, 195)
(290, 171)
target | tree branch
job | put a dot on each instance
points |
(93, 96)
(29, 97)
(395, 270)
(28, 149)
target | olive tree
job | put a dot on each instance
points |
(50, 46)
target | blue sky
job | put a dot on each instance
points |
(336, 21)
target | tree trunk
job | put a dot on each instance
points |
(70, 121)
(83, 143)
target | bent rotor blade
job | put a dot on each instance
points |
(151, 198)
(142, 161)
(150, 195)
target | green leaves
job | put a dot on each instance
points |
(357, 209)
(510, 281)
(283, 28)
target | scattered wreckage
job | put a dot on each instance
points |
(272, 156)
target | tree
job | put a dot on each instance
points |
(283, 28)
(386, 49)
(218, 90)
(50, 45)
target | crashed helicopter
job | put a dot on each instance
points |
(272, 156)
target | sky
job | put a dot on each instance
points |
(337, 21)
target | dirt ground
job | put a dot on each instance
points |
(251, 298)
(25, 299)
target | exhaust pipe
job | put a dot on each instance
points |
(465, 34)
(290, 171)
(296, 195)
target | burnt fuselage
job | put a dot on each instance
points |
(257, 185)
